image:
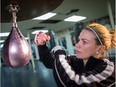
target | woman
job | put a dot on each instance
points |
(87, 68)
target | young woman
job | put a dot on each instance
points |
(87, 68)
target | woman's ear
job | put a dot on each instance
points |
(101, 49)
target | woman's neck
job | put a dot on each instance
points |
(85, 61)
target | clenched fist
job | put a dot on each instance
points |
(41, 38)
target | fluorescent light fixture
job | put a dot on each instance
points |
(75, 18)
(26, 38)
(44, 31)
(4, 34)
(1, 45)
(1, 41)
(45, 16)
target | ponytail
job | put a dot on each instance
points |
(113, 38)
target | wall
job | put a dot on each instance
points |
(65, 34)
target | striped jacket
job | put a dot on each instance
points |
(70, 71)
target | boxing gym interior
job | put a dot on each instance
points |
(24, 13)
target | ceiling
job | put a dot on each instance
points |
(92, 9)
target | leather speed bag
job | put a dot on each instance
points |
(16, 51)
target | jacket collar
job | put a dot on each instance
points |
(92, 63)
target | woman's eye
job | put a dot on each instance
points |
(84, 42)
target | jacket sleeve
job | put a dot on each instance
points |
(102, 76)
(45, 56)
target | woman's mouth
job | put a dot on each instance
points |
(78, 52)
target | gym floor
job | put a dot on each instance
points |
(27, 76)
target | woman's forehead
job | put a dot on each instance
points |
(86, 34)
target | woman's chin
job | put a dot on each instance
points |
(79, 57)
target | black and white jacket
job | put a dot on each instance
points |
(70, 71)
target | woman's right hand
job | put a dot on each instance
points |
(41, 38)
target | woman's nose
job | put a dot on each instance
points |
(78, 45)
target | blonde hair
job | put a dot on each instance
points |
(108, 37)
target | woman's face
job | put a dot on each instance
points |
(86, 46)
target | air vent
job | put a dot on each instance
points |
(50, 21)
(36, 28)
